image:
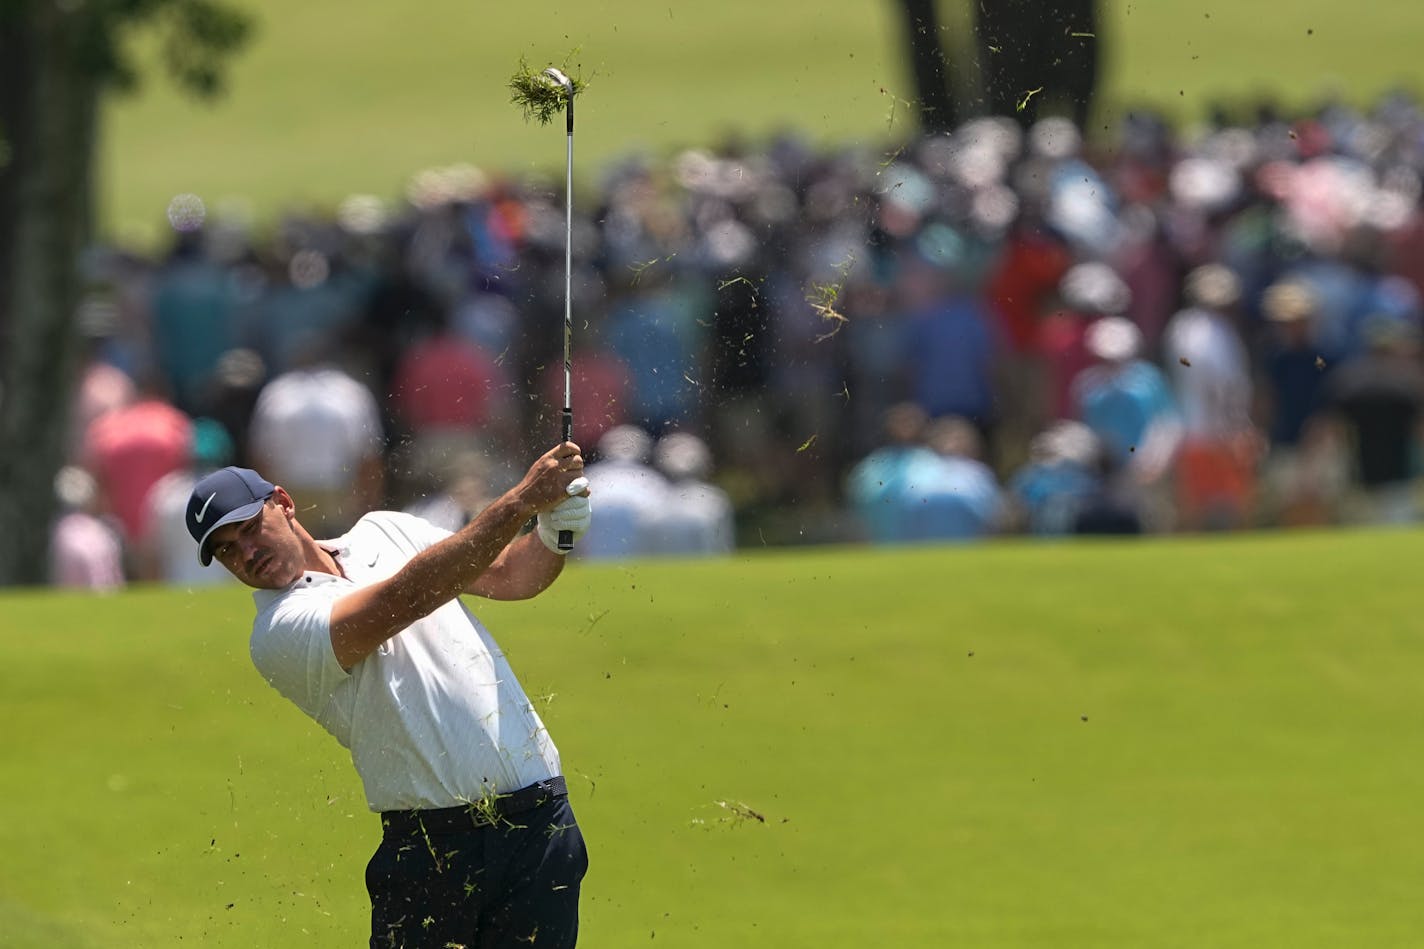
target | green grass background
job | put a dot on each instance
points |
(341, 96)
(1190, 742)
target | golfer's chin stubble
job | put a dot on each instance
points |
(276, 576)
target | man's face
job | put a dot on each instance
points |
(262, 551)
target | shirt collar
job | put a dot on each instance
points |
(309, 578)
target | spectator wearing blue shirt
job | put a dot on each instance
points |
(651, 328)
(1128, 404)
(1124, 399)
(949, 345)
(195, 316)
(1299, 485)
(1060, 479)
(878, 480)
(949, 494)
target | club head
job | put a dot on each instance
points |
(563, 81)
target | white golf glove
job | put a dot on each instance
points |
(573, 515)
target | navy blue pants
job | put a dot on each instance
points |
(512, 883)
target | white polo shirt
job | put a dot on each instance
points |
(434, 717)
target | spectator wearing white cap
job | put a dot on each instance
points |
(1128, 404)
(697, 519)
(632, 494)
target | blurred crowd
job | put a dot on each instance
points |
(997, 330)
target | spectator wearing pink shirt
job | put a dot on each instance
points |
(449, 394)
(129, 449)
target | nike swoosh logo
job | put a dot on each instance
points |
(202, 511)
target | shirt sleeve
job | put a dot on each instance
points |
(407, 530)
(291, 648)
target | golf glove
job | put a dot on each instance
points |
(573, 515)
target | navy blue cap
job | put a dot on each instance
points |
(226, 496)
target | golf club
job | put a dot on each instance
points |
(566, 538)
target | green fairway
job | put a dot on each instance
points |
(333, 98)
(1200, 742)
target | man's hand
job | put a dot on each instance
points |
(546, 485)
(573, 514)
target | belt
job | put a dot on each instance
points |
(486, 812)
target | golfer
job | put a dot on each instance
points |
(367, 635)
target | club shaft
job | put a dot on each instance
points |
(566, 538)
(569, 275)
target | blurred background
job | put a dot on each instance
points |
(892, 272)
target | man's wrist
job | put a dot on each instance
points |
(524, 510)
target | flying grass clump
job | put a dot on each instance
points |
(824, 299)
(538, 95)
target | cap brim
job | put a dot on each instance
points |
(245, 513)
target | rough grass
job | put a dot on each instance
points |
(1166, 743)
(333, 98)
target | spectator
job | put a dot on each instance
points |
(237, 384)
(194, 317)
(1299, 487)
(102, 385)
(85, 551)
(166, 552)
(652, 327)
(129, 449)
(1375, 403)
(632, 494)
(950, 345)
(1060, 479)
(602, 386)
(1125, 400)
(1211, 379)
(878, 482)
(319, 430)
(949, 493)
(1089, 292)
(1127, 403)
(697, 517)
(309, 303)
(1022, 290)
(449, 394)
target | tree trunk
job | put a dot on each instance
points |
(48, 110)
(927, 65)
(1036, 54)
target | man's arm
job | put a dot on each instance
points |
(523, 569)
(526, 567)
(362, 620)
